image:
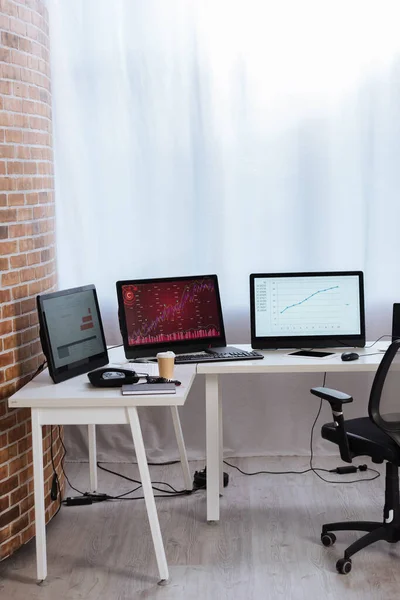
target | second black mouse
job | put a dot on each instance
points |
(350, 356)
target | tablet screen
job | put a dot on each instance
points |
(311, 353)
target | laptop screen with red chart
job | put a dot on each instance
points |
(182, 314)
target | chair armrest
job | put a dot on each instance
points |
(336, 399)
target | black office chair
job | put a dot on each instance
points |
(376, 436)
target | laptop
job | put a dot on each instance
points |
(182, 314)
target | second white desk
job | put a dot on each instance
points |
(277, 361)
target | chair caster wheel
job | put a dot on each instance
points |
(328, 538)
(343, 566)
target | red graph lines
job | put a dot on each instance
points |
(177, 337)
(170, 311)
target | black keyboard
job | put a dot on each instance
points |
(227, 354)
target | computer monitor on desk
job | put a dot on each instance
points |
(182, 314)
(71, 332)
(307, 310)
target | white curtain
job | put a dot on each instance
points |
(227, 137)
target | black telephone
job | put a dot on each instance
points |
(112, 377)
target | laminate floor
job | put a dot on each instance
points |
(266, 546)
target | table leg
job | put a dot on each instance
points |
(38, 482)
(182, 450)
(213, 446)
(148, 494)
(92, 457)
(221, 444)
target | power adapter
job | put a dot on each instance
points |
(96, 497)
(86, 498)
(349, 469)
(200, 479)
(77, 500)
(54, 488)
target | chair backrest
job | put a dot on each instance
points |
(384, 400)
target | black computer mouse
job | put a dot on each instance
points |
(350, 356)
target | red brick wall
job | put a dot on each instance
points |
(27, 251)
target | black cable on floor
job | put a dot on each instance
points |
(311, 467)
(174, 491)
(99, 497)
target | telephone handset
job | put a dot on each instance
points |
(112, 377)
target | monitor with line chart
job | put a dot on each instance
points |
(182, 314)
(307, 310)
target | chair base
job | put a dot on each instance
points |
(376, 532)
(388, 530)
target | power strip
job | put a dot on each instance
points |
(200, 480)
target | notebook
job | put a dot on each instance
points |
(144, 389)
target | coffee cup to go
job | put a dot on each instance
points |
(166, 364)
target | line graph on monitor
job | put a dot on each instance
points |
(313, 309)
(307, 305)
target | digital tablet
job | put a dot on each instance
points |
(71, 332)
(311, 354)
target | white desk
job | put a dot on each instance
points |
(276, 361)
(76, 402)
